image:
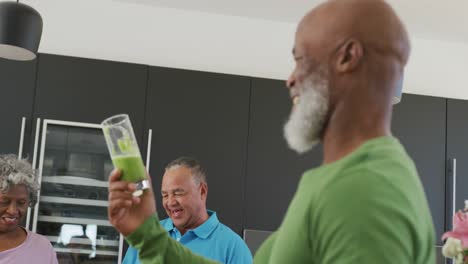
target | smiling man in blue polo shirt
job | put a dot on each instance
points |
(184, 192)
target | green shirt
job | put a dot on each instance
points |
(368, 207)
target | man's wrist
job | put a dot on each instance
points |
(137, 236)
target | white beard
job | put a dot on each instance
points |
(306, 121)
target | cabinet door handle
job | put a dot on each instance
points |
(454, 186)
(36, 142)
(451, 192)
(148, 150)
(36, 139)
(20, 149)
(20, 156)
(451, 197)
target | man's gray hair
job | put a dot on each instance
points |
(198, 173)
(14, 171)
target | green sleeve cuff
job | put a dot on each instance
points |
(150, 228)
(155, 246)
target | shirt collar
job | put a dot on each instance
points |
(202, 231)
(168, 225)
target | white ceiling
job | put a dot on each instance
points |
(244, 37)
(430, 19)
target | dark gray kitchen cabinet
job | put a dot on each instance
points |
(87, 90)
(203, 115)
(419, 123)
(273, 170)
(17, 81)
(457, 157)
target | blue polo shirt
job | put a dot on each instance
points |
(211, 239)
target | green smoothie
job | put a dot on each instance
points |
(132, 168)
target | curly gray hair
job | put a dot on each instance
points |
(14, 171)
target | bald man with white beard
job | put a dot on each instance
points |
(365, 204)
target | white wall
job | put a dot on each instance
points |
(122, 31)
(438, 68)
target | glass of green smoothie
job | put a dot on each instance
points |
(124, 151)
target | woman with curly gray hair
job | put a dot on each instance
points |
(18, 191)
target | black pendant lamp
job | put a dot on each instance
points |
(20, 31)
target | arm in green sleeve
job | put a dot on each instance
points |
(155, 246)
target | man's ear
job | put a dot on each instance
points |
(203, 190)
(349, 56)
